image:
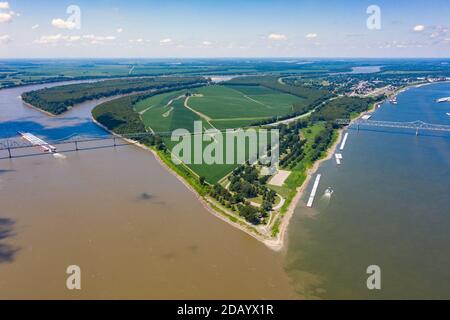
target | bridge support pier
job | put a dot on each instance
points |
(417, 131)
(9, 149)
(76, 145)
(114, 139)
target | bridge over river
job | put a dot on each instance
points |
(417, 126)
(9, 148)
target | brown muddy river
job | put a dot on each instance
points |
(133, 229)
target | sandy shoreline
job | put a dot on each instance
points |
(38, 109)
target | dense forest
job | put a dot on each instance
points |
(57, 100)
(342, 108)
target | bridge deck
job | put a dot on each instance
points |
(18, 143)
(395, 124)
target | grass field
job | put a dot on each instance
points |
(238, 106)
(166, 112)
(226, 106)
(217, 106)
(157, 101)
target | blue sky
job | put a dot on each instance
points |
(116, 28)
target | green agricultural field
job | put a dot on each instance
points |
(215, 171)
(217, 106)
(157, 101)
(236, 106)
(166, 112)
(221, 106)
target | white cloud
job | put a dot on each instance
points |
(98, 39)
(311, 35)
(207, 43)
(401, 44)
(35, 26)
(165, 41)
(5, 38)
(50, 39)
(419, 28)
(119, 30)
(277, 37)
(6, 17)
(62, 24)
(439, 33)
(56, 38)
(139, 40)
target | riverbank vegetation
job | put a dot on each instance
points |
(57, 100)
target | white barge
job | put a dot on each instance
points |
(313, 191)
(344, 141)
(35, 141)
(447, 99)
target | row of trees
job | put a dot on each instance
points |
(322, 141)
(342, 108)
(59, 99)
(292, 146)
